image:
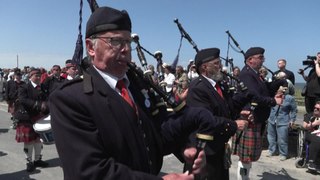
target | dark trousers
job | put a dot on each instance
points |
(314, 146)
(215, 167)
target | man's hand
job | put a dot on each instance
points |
(316, 122)
(279, 99)
(44, 107)
(242, 124)
(200, 161)
(291, 124)
(246, 115)
(199, 164)
(174, 176)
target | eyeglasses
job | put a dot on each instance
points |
(115, 41)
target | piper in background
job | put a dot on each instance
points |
(249, 147)
(31, 107)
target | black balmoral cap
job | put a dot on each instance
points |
(34, 71)
(206, 55)
(253, 51)
(107, 19)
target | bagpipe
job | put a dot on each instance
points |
(157, 55)
(186, 35)
(233, 84)
(230, 37)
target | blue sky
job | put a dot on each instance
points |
(43, 33)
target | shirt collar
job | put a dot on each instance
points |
(33, 84)
(211, 81)
(112, 80)
(69, 77)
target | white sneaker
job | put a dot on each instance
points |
(283, 158)
(269, 154)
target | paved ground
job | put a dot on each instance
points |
(12, 163)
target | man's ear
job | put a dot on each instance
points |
(89, 47)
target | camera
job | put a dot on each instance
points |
(312, 57)
(309, 61)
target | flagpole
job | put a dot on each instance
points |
(17, 61)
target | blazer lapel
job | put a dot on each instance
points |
(121, 111)
(212, 89)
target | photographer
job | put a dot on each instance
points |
(312, 82)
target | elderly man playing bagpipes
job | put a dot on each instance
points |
(247, 144)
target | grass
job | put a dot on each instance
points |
(298, 97)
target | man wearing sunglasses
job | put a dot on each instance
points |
(312, 124)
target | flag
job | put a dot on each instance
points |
(78, 52)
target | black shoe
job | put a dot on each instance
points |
(40, 163)
(30, 166)
(312, 166)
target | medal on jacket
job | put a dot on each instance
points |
(146, 96)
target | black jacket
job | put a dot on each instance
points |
(261, 91)
(11, 93)
(225, 110)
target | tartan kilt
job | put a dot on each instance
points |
(25, 133)
(249, 148)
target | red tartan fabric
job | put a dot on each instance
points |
(25, 133)
(250, 144)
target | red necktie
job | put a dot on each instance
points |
(219, 90)
(261, 78)
(125, 93)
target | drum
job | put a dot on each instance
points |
(43, 127)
